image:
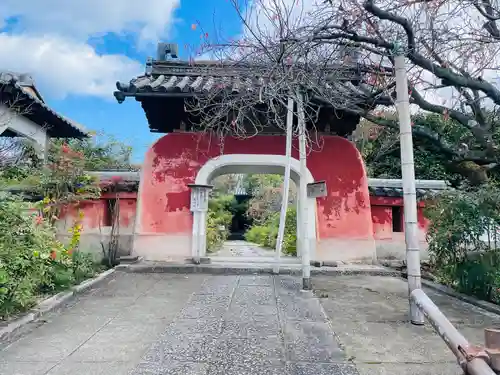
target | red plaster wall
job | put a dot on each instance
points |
(381, 209)
(127, 212)
(382, 222)
(173, 162)
(94, 211)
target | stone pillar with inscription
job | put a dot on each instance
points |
(199, 207)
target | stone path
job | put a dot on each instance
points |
(174, 324)
(242, 249)
(138, 324)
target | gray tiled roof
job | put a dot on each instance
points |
(39, 112)
(185, 84)
(123, 175)
(240, 188)
(394, 187)
(183, 77)
(398, 192)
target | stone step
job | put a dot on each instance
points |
(255, 268)
(129, 259)
(243, 259)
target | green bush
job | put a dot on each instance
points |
(258, 234)
(25, 246)
(460, 257)
(479, 276)
(32, 261)
(267, 234)
(83, 266)
(219, 218)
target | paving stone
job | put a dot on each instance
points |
(321, 369)
(256, 367)
(288, 285)
(248, 350)
(249, 310)
(311, 342)
(247, 317)
(226, 290)
(304, 309)
(202, 311)
(254, 295)
(259, 328)
(171, 367)
(209, 299)
(120, 340)
(46, 344)
(181, 327)
(262, 280)
(220, 280)
(196, 348)
(219, 285)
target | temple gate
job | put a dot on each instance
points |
(340, 226)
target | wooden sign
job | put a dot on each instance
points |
(199, 197)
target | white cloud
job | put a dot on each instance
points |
(150, 19)
(61, 66)
(49, 40)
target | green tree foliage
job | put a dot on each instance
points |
(379, 146)
(32, 260)
(266, 234)
(219, 216)
(96, 154)
(103, 153)
(263, 209)
(464, 240)
(24, 255)
(266, 191)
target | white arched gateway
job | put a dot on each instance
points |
(250, 164)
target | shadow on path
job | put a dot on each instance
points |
(138, 324)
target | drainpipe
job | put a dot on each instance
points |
(409, 191)
(286, 186)
(306, 266)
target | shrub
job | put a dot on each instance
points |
(460, 256)
(267, 234)
(83, 266)
(26, 241)
(219, 218)
(257, 234)
(32, 260)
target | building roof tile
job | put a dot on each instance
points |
(21, 87)
(189, 78)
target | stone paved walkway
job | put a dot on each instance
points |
(174, 324)
(138, 324)
(242, 249)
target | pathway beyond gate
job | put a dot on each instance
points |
(245, 253)
(138, 324)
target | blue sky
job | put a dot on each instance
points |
(76, 54)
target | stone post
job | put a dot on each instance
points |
(199, 207)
